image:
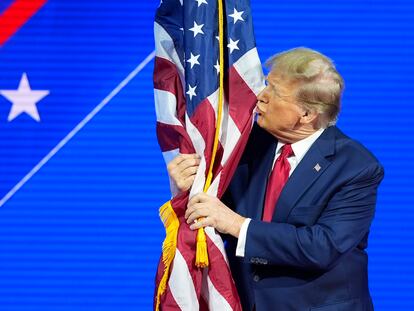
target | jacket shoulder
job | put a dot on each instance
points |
(354, 151)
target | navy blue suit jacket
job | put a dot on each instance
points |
(311, 256)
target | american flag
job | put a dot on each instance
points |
(186, 82)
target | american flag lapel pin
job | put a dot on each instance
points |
(317, 167)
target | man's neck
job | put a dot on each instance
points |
(293, 136)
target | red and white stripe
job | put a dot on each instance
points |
(190, 288)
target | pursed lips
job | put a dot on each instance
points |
(258, 110)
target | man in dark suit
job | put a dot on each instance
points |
(298, 210)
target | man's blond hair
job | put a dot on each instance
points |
(319, 86)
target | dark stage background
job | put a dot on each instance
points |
(80, 187)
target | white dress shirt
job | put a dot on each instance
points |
(299, 149)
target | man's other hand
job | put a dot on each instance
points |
(182, 170)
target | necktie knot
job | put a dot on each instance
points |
(286, 151)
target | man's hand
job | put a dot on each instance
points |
(182, 170)
(212, 213)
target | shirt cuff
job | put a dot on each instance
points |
(241, 242)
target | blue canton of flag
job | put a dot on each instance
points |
(197, 44)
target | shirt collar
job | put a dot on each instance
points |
(302, 146)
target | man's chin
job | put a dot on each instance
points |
(259, 121)
(262, 124)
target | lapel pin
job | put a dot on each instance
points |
(317, 167)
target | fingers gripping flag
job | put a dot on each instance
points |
(193, 71)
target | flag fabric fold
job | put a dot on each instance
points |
(186, 87)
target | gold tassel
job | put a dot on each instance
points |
(201, 250)
(171, 224)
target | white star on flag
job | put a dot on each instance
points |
(237, 16)
(24, 99)
(217, 66)
(200, 2)
(233, 45)
(191, 91)
(193, 60)
(197, 29)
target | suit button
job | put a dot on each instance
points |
(256, 278)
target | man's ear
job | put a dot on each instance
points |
(308, 116)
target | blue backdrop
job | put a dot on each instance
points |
(79, 227)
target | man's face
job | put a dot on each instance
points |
(277, 110)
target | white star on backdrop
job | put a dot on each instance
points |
(217, 66)
(200, 2)
(237, 16)
(233, 45)
(191, 91)
(193, 60)
(24, 99)
(197, 29)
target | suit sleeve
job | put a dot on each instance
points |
(341, 226)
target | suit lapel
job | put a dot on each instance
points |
(313, 164)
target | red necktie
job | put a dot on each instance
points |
(276, 182)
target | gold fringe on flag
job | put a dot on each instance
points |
(171, 224)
